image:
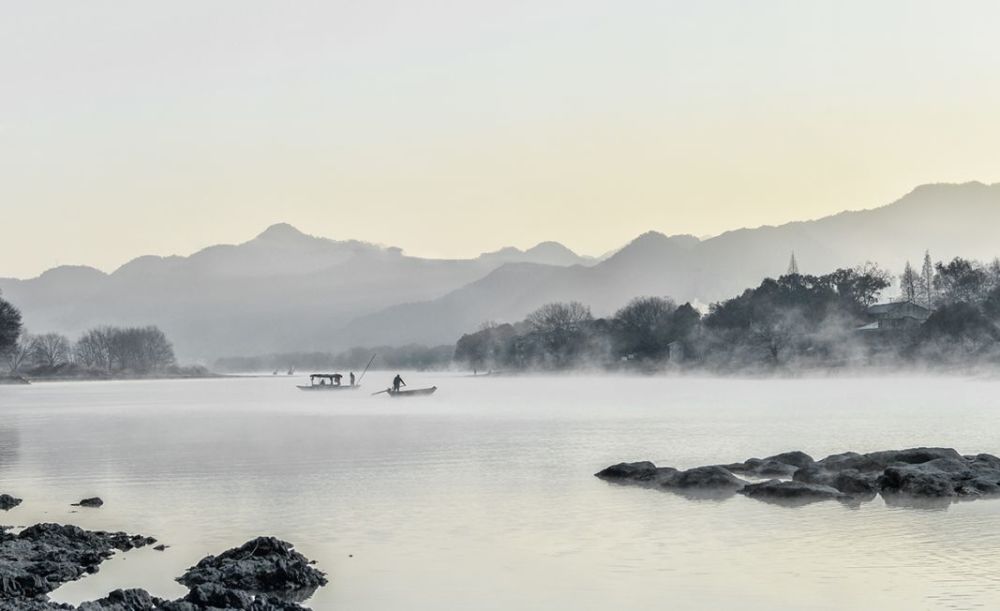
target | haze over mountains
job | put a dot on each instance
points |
(288, 291)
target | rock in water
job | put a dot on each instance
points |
(264, 565)
(640, 473)
(927, 473)
(8, 502)
(711, 477)
(42, 557)
(94, 501)
(790, 492)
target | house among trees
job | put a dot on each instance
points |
(895, 316)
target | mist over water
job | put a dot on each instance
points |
(482, 496)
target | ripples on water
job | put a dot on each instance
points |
(482, 496)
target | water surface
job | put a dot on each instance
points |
(482, 496)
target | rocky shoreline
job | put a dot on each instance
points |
(915, 476)
(264, 574)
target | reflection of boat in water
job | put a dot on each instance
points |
(415, 392)
(327, 381)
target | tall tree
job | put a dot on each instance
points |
(793, 266)
(927, 280)
(909, 283)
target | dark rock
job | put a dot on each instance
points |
(41, 557)
(93, 501)
(849, 460)
(713, 477)
(124, 600)
(8, 502)
(265, 565)
(636, 473)
(160, 547)
(796, 458)
(848, 481)
(782, 465)
(790, 492)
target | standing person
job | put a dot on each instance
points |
(352, 378)
(336, 379)
(397, 382)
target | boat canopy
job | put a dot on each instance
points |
(325, 375)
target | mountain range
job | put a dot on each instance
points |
(287, 291)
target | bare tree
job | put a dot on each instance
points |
(559, 317)
(50, 350)
(94, 348)
(19, 353)
(908, 283)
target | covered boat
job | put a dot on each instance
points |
(327, 381)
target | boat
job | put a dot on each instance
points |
(327, 381)
(413, 392)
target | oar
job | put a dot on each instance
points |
(372, 360)
(380, 392)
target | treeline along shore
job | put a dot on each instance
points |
(103, 352)
(942, 315)
(946, 315)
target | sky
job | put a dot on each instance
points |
(449, 128)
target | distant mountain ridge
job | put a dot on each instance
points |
(285, 290)
(948, 220)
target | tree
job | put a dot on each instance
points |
(909, 283)
(94, 348)
(793, 266)
(559, 317)
(50, 350)
(140, 349)
(18, 354)
(10, 325)
(927, 280)
(645, 325)
(961, 280)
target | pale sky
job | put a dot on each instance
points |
(450, 128)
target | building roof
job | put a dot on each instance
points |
(899, 308)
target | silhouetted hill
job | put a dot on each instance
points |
(287, 291)
(950, 220)
(282, 290)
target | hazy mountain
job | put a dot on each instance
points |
(282, 290)
(285, 290)
(949, 220)
(546, 253)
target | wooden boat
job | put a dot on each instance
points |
(327, 381)
(414, 392)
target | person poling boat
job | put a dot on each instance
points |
(396, 390)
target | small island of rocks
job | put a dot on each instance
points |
(903, 477)
(264, 574)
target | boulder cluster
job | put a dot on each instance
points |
(264, 574)
(940, 474)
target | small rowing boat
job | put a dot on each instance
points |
(414, 392)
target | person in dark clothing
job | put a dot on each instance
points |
(352, 378)
(336, 379)
(397, 382)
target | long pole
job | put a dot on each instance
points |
(372, 360)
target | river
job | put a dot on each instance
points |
(482, 496)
